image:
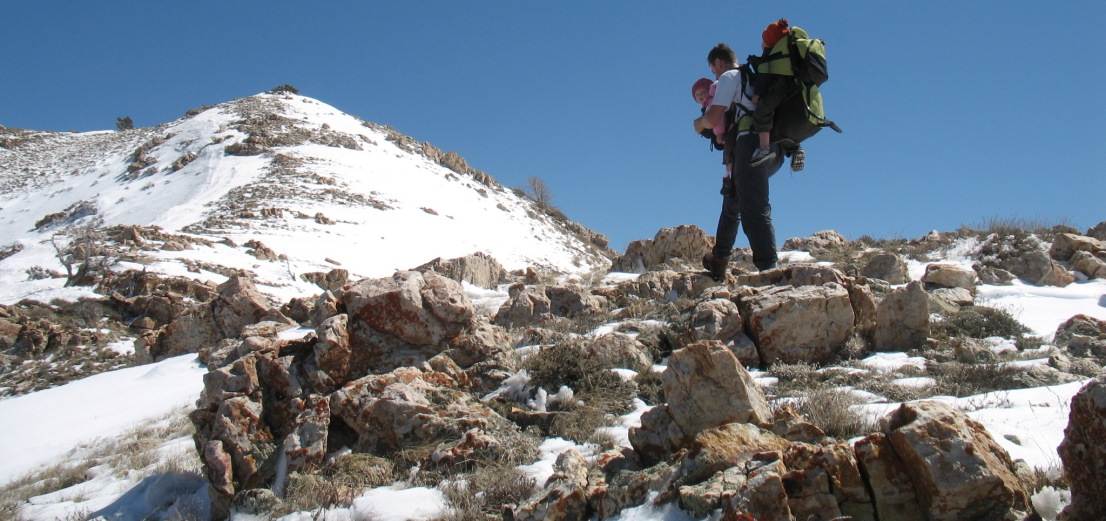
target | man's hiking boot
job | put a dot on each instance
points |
(798, 160)
(716, 266)
(760, 155)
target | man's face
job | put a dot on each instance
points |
(717, 68)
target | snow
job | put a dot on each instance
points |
(43, 426)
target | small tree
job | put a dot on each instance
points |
(124, 123)
(81, 250)
(539, 192)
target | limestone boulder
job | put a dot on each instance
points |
(902, 319)
(526, 305)
(1038, 269)
(1098, 231)
(658, 436)
(798, 324)
(949, 276)
(1083, 454)
(687, 243)
(407, 406)
(478, 269)
(835, 465)
(892, 490)
(705, 386)
(797, 275)
(888, 267)
(932, 438)
(329, 281)
(1064, 245)
(619, 350)
(817, 242)
(564, 496)
(420, 309)
(664, 286)
(1092, 266)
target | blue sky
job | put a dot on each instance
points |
(954, 112)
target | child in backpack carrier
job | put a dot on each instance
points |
(703, 92)
(769, 91)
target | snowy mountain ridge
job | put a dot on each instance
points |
(319, 187)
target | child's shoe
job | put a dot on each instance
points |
(760, 155)
(798, 160)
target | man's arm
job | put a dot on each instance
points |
(711, 118)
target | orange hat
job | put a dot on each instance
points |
(701, 84)
(774, 32)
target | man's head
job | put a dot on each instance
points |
(721, 59)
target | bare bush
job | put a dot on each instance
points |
(834, 411)
(539, 191)
(483, 493)
(81, 250)
(336, 484)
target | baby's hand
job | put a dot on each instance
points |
(756, 99)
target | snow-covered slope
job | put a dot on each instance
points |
(319, 187)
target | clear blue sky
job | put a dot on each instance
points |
(954, 112)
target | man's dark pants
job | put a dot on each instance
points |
(748, 201)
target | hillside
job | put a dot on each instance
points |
(316, 187)
(269, 309)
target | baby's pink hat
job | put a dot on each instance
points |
(701, 84)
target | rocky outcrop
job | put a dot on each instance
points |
(1026, 257)
(478, 269)
(374, 379)
(235, 305)
(931, 438)
(704, 387)
(888, 267)
(1084, 254)
(902, 319)
(794, 324)
(687, 243)
(1083, 454)
(1082, 336)
(822, 241)
(902, 473)
(535, 304)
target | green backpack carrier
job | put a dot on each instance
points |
(803, 58)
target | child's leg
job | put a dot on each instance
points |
(764, 139)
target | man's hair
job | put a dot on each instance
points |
(722, 51)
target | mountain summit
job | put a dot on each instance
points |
(317, 187)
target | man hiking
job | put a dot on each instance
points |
(745, 196)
